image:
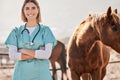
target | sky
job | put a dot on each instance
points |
(62, 16)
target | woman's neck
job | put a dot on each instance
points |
(31, 24)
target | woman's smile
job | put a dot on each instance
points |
(31, 11)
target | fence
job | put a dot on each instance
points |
(6, 69)
(7, 65)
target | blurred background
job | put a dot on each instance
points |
(61, 15)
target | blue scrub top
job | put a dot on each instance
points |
(35, 69)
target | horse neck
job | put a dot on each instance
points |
(87, 38)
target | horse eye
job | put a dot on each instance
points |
(114, 28)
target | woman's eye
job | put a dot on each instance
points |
(33, 8)
(27, 8)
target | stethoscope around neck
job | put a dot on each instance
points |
(25, 29)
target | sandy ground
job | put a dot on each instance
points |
(113, 70)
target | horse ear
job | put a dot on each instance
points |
(115, 11)
(90, 15)
(109, 11)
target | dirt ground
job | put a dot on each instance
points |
(113, 70)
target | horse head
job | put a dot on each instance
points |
(107, 26)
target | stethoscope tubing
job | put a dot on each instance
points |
(29, 32)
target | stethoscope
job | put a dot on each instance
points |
(25, 29)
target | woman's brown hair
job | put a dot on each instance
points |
(22, 12)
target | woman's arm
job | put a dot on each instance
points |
(42, 53)
(15, 55)
(27, 54)
(26, 57)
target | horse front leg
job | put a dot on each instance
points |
(86, 76)
(75, 75)
(62, 75)
(66, 75)
(54, 75)
(103, 73)
(97, 74)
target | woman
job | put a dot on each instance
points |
(30, 45)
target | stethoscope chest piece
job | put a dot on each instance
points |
(31, 43)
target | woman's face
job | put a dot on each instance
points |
(30, 11)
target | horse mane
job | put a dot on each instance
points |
(92, 27)
(82, 29)
(99, 20)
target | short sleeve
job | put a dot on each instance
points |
(49, 37)
(12, 38)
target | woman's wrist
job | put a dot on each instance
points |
(28, 52)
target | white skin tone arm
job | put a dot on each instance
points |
(26, 54)
(40, 54)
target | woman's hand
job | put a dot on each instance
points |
(26, 57)
(27, 54)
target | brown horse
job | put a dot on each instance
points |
(59, 55)
(87, 50)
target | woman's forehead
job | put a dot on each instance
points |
(30, 4)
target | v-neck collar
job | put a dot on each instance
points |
(31, 29)
(28, 37)
(34, 32)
